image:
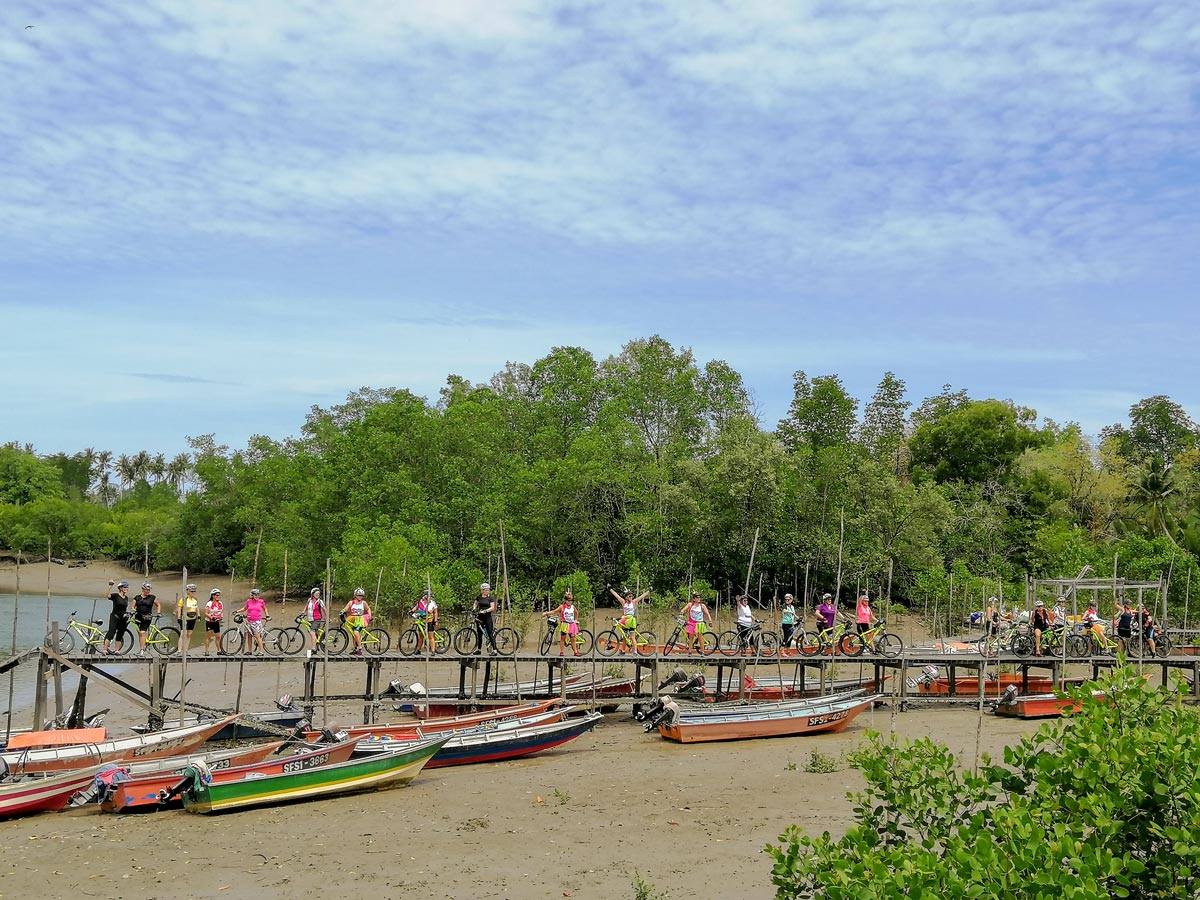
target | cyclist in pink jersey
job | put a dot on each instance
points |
(255, 610)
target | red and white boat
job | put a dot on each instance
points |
(43, 794)
(450, 723)
(37, 757)
(735, 722)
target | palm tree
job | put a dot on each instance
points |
(141, 465)
(178, 472)
(1152, 493)
(156, 467)
(127, 471)
(106, 491)
(101, 469)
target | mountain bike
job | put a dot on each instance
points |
(294, 639)
(1003, 641)
(163, 641)
(240, 639)
(374, 640)
(581, 642)
(469, 639)
(420, 636)
(877, 639)
(827, 640)
(1053, 639)
(678, 641)
(1101, 644)
(754, 639)
(90, 635)
(1139, 643)
(610, 642)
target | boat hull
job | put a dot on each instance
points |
(384, 770)
(790, 720)
(48, 794)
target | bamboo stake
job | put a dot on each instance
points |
(837, 594)
(13, 649)
(379, 585)
(1187, 593)
(283, 596)
(146, 560)
(257, 552)
(804, 602)
(49, 545)
(750, 568)
(184, 634)
(507, 602)
(325, 644)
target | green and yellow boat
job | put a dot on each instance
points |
(392, 769)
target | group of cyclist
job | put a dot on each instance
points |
(143, 608)
(1124, 622)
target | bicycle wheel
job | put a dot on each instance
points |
(167, 641)
(1078, 647)
(66, 641)
(647, 644)
(1022, 645)
(1162, 646)
(441, 640)
(984, 647)
(338, 641)
(583, 642)
(852, 644)
(407, 645)
(808, 643)
(273, 639)
(889, 645)
(547, 640)
(231, 641)
(728, 643)
(672, 645)
(129, 642)
(291, 641)
(507, 641)
(708, 643)
(607, 643)
(376, 641)
(466, 640)
(768, 643)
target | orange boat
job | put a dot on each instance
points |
(1039, 706)
(787, 718)
(993, 685)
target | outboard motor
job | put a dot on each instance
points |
(666, 713)
(329, 736)
(1010, 696)
(285, 703)
(677, 676)
(694, 685)
(929, 674)
(647, 711)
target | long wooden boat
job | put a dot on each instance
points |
(993, 686)
(144, 781)
(464, 749)
(43, 794)
(1039, 706)
(417, 730)
(383, 770)
(451, 723)
(767, 720)
(244, 728)
(168, 742)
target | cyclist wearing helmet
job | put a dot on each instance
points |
(145, 605)
(357, 611)
(255, 609)
(629, 608)
(485, 605)
(787, 619)
(118, 618)
(187, 611)
(314, 612)
(214, 613)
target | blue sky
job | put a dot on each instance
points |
(213, 216)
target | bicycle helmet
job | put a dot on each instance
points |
(628, 592)
(146, 585)
(254, 592)
(788, 597)
(359, 592)
(122, 584)
(485, 587)
(315, 592)
(215, 592)
(1039, 603)
(190, 587)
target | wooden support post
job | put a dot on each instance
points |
(307, 702)
(39, 694)
(78, 705)
(56, 669)
(237, 704)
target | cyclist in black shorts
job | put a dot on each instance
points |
(145, 605)
(485, 605)
(118, 618)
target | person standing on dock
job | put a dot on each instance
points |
(568, 623)
(485, 606)
(214, 614)
(187, 611)
(745, 622)
(118, 617)
(255, 610)
(425, 610)
(629, 608)
(826, 613)
(1041, 622)
(787, 619)
(145, 605)
(698, 620)
(357, 612)
(864, 615)
(314, 613)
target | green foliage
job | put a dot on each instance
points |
(975, 442)
(580, 587)
(823, 763)
(1101, 804)
(25, 478)
(645, 890)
